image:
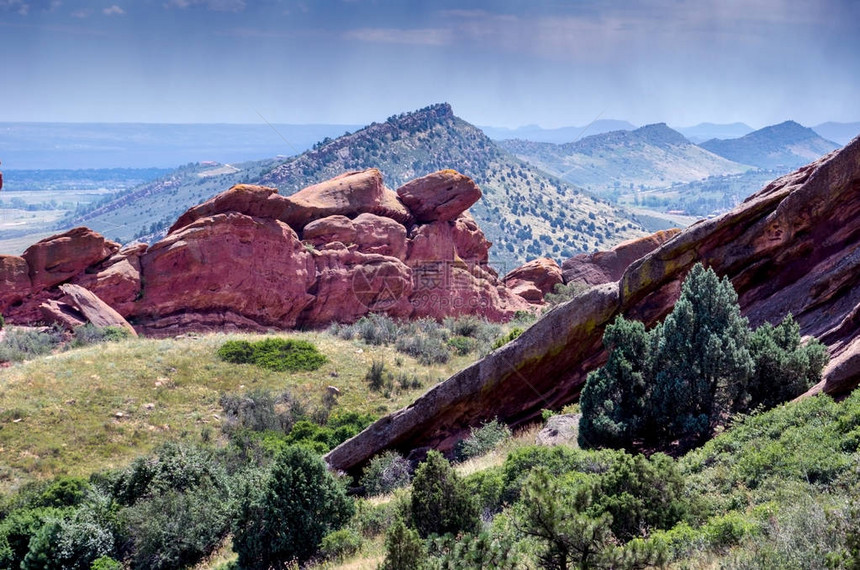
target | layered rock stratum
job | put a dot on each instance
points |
(793, 247)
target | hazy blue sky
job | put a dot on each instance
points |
(501, 63)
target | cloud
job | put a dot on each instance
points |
(113, 10)
(81, 14)
(424, 37)
(18, 6)
(214, 5)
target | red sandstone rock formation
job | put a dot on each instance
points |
(534, 279)
(237, 261)
(792, 247)
(440, 196)
(608, 266)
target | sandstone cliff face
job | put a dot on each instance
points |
(792, 247)
(252, 259)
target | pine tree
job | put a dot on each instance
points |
(440, 501)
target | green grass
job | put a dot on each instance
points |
(59, 414)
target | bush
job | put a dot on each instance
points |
(279, 354)
(298, 505)
(90, 334)
(261, 410)
(562, 293)
(76, 539)
(175, 529)
(487, 486)
(21, 344)
(375, 376)
(503, 340)
(176, 467)
(424, 340)
(385, 473)
(482, 440)
(440, 501)
(462, 345)
(106, 563)
(340, 544)
(404, 549)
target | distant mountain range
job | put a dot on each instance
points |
(647, 157)
(781, 147)
(560, 135)
(841, 133)
(525, 212)
(33, 146)
(706, 131)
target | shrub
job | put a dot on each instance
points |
(375, 376)
(424, 340)
(487, 486)
(261, 410)
(76, 539)
(16, 531)
(404, 549)
(2, 322)
(176, 467)
(386, 472)
(21, 344)
(340, 544)
(503, 340)
(279, 354)
(175, 529)
(299, 503)
(440, 501)
(376, 329)
(482, 440)
(106, 563)
(462, 345)
(91, 334)
(562, 293)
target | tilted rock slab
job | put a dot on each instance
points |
(792, 247)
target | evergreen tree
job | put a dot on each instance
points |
(784, 368)
(440, 501)
(687, 375)
(298, 505)
(702, 358)
(404, 549)
(612, 399)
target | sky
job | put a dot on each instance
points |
(500, 63)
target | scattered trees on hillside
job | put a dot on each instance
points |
(687, 375)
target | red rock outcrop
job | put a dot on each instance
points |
(117, 279)
(378, 234)
(349, 194)
(329, 230)
(59, 258)
(222, 266)
(350, 284)
(440, 196)
(792, 247)
(608, 266)
(93, 309)
(534, 279)
(14, 281)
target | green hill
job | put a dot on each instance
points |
(782, 147)
(524, 212)
(652, 156)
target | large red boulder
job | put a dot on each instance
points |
(460, 238)
(534, 279)
(227, 264)
(329, 230)
(14, 280)
(116, 280)
(607, 266)
(350, 284)
(349, 195)
(248, 199)
(440, 196)
(378, 234)
(58, 258)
